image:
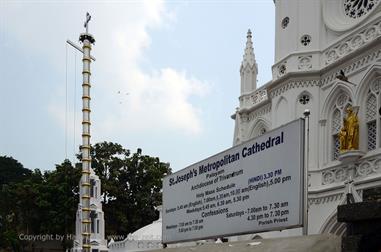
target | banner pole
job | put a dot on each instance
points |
(307, 152)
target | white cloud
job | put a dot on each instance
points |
(161, 100)
(158, 98)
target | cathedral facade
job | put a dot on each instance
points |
(327, 58)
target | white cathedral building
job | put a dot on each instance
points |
(314, 41)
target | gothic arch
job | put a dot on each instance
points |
(282, 111)
(368, 114)
(259, 125)
(373, 73)
(331, 226)
(334, 111)
(332, 96)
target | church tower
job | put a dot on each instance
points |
(298, 26)
(249, 95)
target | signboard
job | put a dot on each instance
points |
(253, 187)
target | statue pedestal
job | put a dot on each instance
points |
(350, 156)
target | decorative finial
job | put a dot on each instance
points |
(249, 33)
(248, 57)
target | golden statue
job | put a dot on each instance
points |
(349, 133)
(343, 137)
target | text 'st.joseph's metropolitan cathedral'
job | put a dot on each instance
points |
(327, 60)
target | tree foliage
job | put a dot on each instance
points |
(12, 171)
(41, 203)
(131, 186)
(35, 202)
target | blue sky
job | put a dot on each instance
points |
(166, 78)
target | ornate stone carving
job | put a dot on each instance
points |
(259, 96)
(352, 67)
(244, 118)
(325, 199)
(359, 8)
(328, 177)
(357, 41)
(341, 173)
(376, 86)
(368, 167)
(282, 69)
(305, 62)
(293, 84)
(371, 33)
(352, 43)
(262, 111)
(364, 169)
(344, 49)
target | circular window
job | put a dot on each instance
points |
(358, 8)
(304, 99)
(285, 22)
(305, 40)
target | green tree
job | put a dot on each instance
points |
(41, 203)
(59, 200)
(17, 210)
(107, 159)
(34, 202)
(11, 171)
(142, 182)
(131, 186)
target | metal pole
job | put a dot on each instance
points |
(85, 147)
(307, 151)
(86, 39)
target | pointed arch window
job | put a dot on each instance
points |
(338, 114)
(372, 116)
(259, 129)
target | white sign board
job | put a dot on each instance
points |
(253, 187)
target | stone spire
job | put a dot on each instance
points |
(249, 57)
(249, 68)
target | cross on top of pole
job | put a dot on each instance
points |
(87, 35)
(86, 25)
